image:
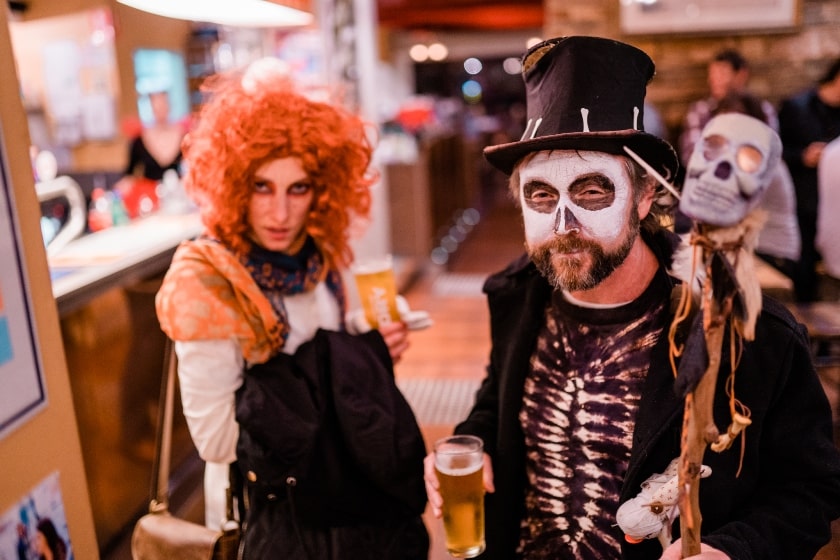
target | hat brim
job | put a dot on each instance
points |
(656, 152)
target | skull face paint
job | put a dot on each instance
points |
(729, 169)
(579, 215)
(566, 191)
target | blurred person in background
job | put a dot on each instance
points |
(828, 217)
(157, 147)
(728, 72)
(808, 121)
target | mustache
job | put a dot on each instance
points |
(566, 244)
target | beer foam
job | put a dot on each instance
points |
(373, 265)
(459, 471)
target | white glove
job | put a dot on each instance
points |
(415, 320)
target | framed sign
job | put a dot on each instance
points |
(707, 16)
(21, 374)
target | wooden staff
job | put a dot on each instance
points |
(699, 429)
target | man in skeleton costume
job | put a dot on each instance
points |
(579, 406)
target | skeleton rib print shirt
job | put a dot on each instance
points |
(578, 413)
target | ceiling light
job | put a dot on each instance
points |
(438, 51)
(419, 52)
(472, 66)
(532, 41)
(242, 13)
(471, 91)
(512, 65)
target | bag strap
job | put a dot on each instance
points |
(163, 450)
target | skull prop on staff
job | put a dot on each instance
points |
(727, 175)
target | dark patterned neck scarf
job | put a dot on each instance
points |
(279, 275)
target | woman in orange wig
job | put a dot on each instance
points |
(262, 117)
(280, 178)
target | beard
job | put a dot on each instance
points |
(574, 264)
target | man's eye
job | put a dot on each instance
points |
(593, 192)
(542, 195)
(541, 200)
(593, 198)
(539, 196)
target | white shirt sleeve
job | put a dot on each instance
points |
(210, 372)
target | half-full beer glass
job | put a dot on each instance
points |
(459, 462)
(377, 290)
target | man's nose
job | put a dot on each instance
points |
(566, 221)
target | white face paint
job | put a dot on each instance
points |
(562, 191)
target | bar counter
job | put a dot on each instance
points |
(117, 256)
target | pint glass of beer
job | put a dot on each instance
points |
(459, 462)
(377, 290)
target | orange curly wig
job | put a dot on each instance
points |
(247, 122)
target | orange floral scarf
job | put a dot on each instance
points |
(208, 294)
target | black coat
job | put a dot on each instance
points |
(779, 507)
(331, 455)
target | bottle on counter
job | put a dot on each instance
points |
(99, 212)
(119, 214)
(106, 210)
(171, 195)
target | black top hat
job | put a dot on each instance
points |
(586, 93)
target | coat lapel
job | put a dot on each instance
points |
(659, 409)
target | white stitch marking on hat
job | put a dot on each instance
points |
(636, 118)
(584, 112)
(527, 128)
(536, 126)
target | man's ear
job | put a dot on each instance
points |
(646, 198)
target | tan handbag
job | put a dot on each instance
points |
(159, 535)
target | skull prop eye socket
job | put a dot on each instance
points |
(730, 169)
(714, 146)
(749, 158)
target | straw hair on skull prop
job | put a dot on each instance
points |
(728, 172)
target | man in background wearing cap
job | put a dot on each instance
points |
(578, 407)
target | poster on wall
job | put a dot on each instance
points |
(21, 374)
(36, 526)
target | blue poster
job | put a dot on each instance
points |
(5, 341)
